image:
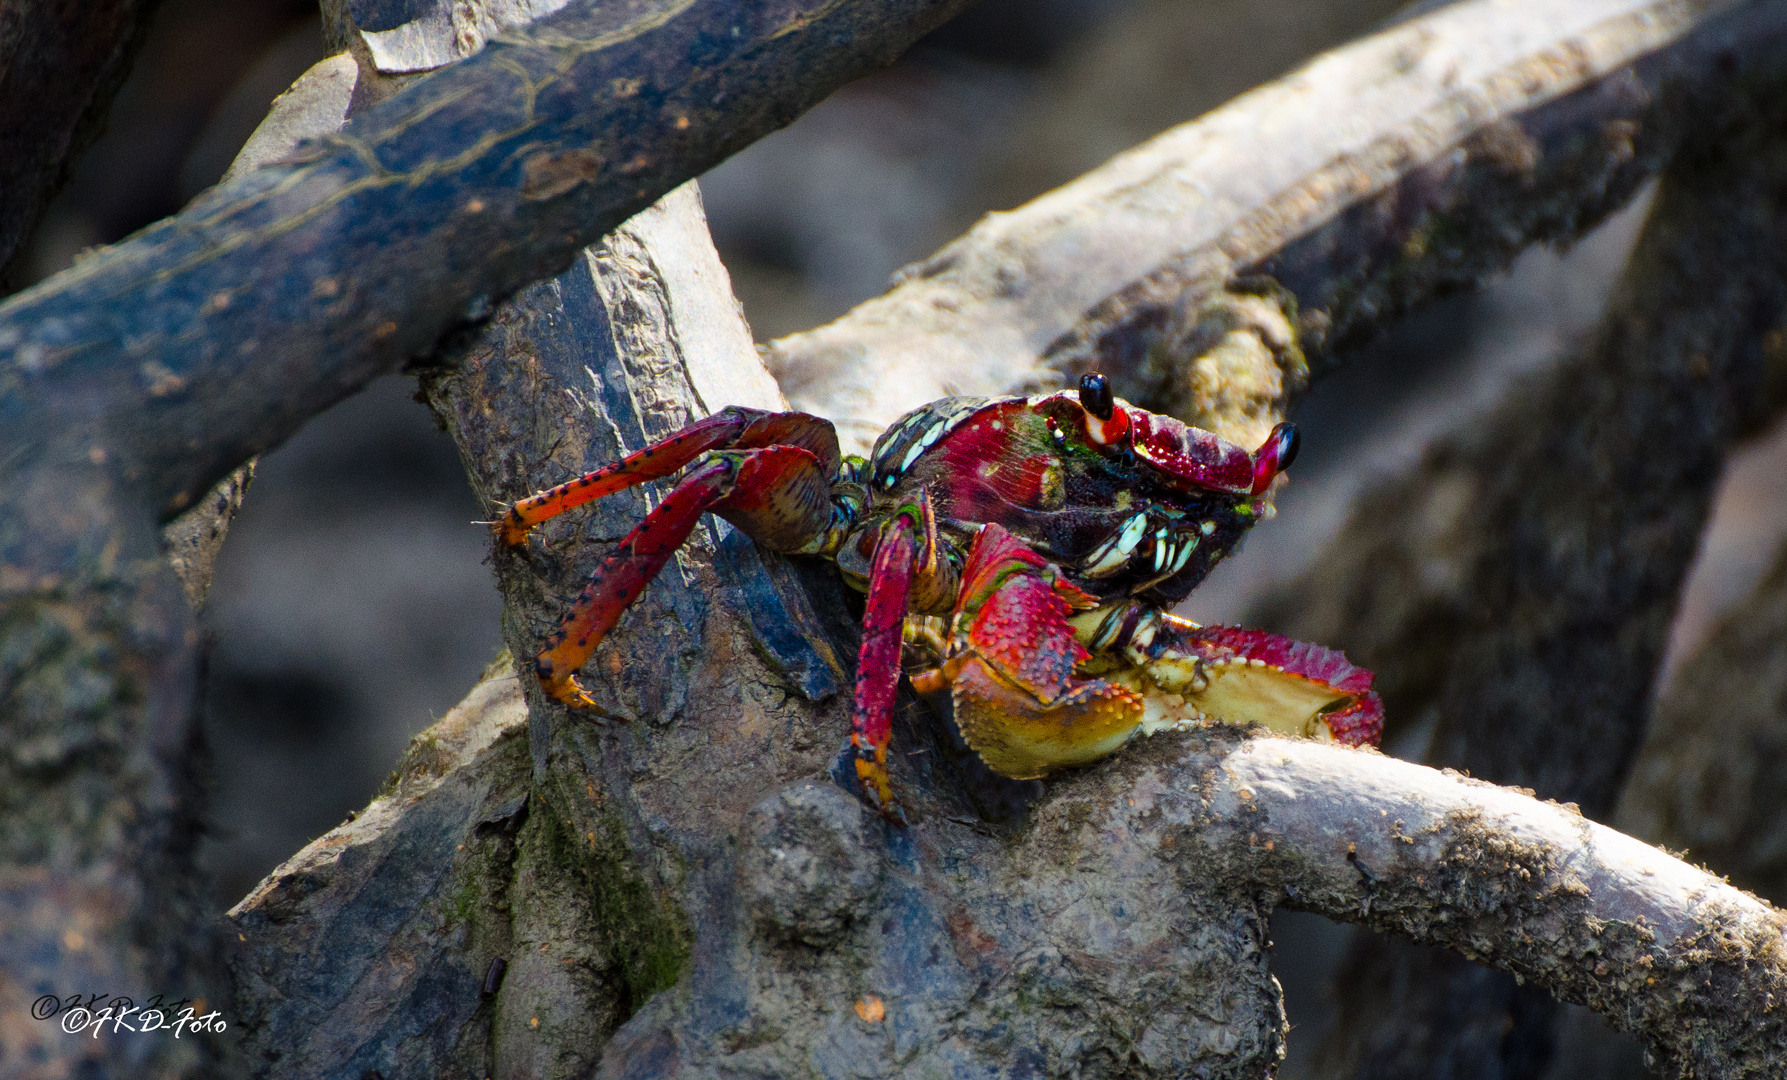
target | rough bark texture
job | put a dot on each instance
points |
(1207, 268)
(1117, 931)
(194, 539)
(132, 383)
(335, 265)
(1516, 589)
(61, 61)
(431, 871)
(689, 892)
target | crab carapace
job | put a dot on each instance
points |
(1024, 550)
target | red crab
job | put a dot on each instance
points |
(1026, 547)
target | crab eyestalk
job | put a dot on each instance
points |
(1106, 421)
(1274, 456)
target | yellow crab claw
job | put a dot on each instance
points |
(1010, 668)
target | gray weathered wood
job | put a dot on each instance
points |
(1209, 268)
(132, 383)
(1516, 588)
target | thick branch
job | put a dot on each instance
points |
(133, 382)
(1120, 922)
(211, 336)
(1515, 589)
(1057, 916)
(1695, 966)
(1404, 164)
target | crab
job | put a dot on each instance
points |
(1021, 552)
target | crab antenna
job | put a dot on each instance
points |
(1274, 456)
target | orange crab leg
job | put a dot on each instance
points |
(771, 488)
(622, 576)
(724, 428)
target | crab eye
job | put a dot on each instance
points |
(1106, 421)
(1274, 456)
(1095, 395)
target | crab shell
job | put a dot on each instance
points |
(1127, 504)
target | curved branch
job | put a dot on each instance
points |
(132, 382)
(1516, 587)
(1206, 268)
(211, 336)
(1694, 966)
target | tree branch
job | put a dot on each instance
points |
(1118, 926)
(1198, 835)
(1207, 268)
(335, 266)
(681, 932)
(133, 382)
(1515, 589)
(1693, 965)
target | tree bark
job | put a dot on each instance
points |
(645, 857)
(1516, 588)
(132, 383)
(1708, 776)
(1117, 930)
(754, 919)
(1210, 269)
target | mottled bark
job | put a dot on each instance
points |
(194, 539)
(132, 383)
(1117, 930)
(1516, 588)
(754, 919)
(690, 891)
(61, 61)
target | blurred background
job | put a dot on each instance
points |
(352, 606)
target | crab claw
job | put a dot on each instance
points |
(1010, 666)
(1252, 677)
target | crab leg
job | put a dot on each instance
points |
(734, 426)
(907, 572)
(775, 494)
(878, 662)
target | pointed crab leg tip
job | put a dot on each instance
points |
(1274, 456)
(877, 791)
